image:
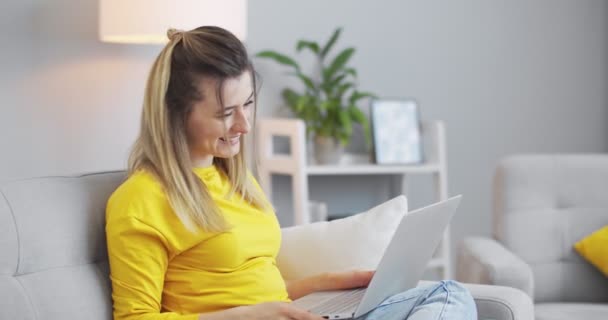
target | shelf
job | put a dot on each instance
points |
(369, 169)
(299, 165)
(359, 164)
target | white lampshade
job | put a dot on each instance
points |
(147, 21)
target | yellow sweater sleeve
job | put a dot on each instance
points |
(138, 258)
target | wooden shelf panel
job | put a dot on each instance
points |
(362, 169)
(355, 164)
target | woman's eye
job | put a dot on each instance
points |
(247, 104)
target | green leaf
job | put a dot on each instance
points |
(351, 71)
(307, 109)
(313, 46)
(330, 86)
(279, 58)
(301, 105)
(345, 121)
(337, 80)
(359, 95)
(335, 104)
(338, 63)
(325, 105)
(342, 89)
(356, 114)
(331, 42)
(290, 97)
(307, 81)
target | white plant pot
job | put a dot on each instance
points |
(328, 150)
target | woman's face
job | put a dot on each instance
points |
(214, 130)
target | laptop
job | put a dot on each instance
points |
(400, 268)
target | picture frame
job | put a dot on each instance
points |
(396, 131)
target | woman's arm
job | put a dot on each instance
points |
(301, 287)
(328, 281)
(262, 311)
(138, 262)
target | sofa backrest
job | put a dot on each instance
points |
(53, 259)
(543, 204)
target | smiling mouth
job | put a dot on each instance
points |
(232, 140)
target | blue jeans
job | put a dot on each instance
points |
(444, 300)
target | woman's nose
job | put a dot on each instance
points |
(241, 123)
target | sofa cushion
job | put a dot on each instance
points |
(594, 248)
(356, 242)
(82, 291)
(569, 311)
(53, 259)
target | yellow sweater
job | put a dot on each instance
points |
(160, 270)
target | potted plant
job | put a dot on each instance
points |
(328, 103)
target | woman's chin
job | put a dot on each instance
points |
(229, 152)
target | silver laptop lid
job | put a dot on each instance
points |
(409, 252)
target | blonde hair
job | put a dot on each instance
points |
(162, 146)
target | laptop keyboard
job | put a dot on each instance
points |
(346, 302)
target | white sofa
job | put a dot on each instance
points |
(53, 262)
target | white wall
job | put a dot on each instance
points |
(506, 76)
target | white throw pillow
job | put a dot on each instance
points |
(355, 242)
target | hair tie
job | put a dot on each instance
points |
(174, 34)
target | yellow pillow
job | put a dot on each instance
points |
(594, 248)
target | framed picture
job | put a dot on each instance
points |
(396, 131)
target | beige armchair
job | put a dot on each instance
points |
(543, 204)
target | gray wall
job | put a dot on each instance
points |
(506, 76)
(69, 103)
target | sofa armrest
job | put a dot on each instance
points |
(485, 261)
(501, 303)
(498, 302)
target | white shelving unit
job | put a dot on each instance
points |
(297, 165)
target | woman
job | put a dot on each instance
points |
(190, 233)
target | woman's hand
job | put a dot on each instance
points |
(263, 311)
(329, 281)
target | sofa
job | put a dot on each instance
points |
(53, 261)
(543, 205)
